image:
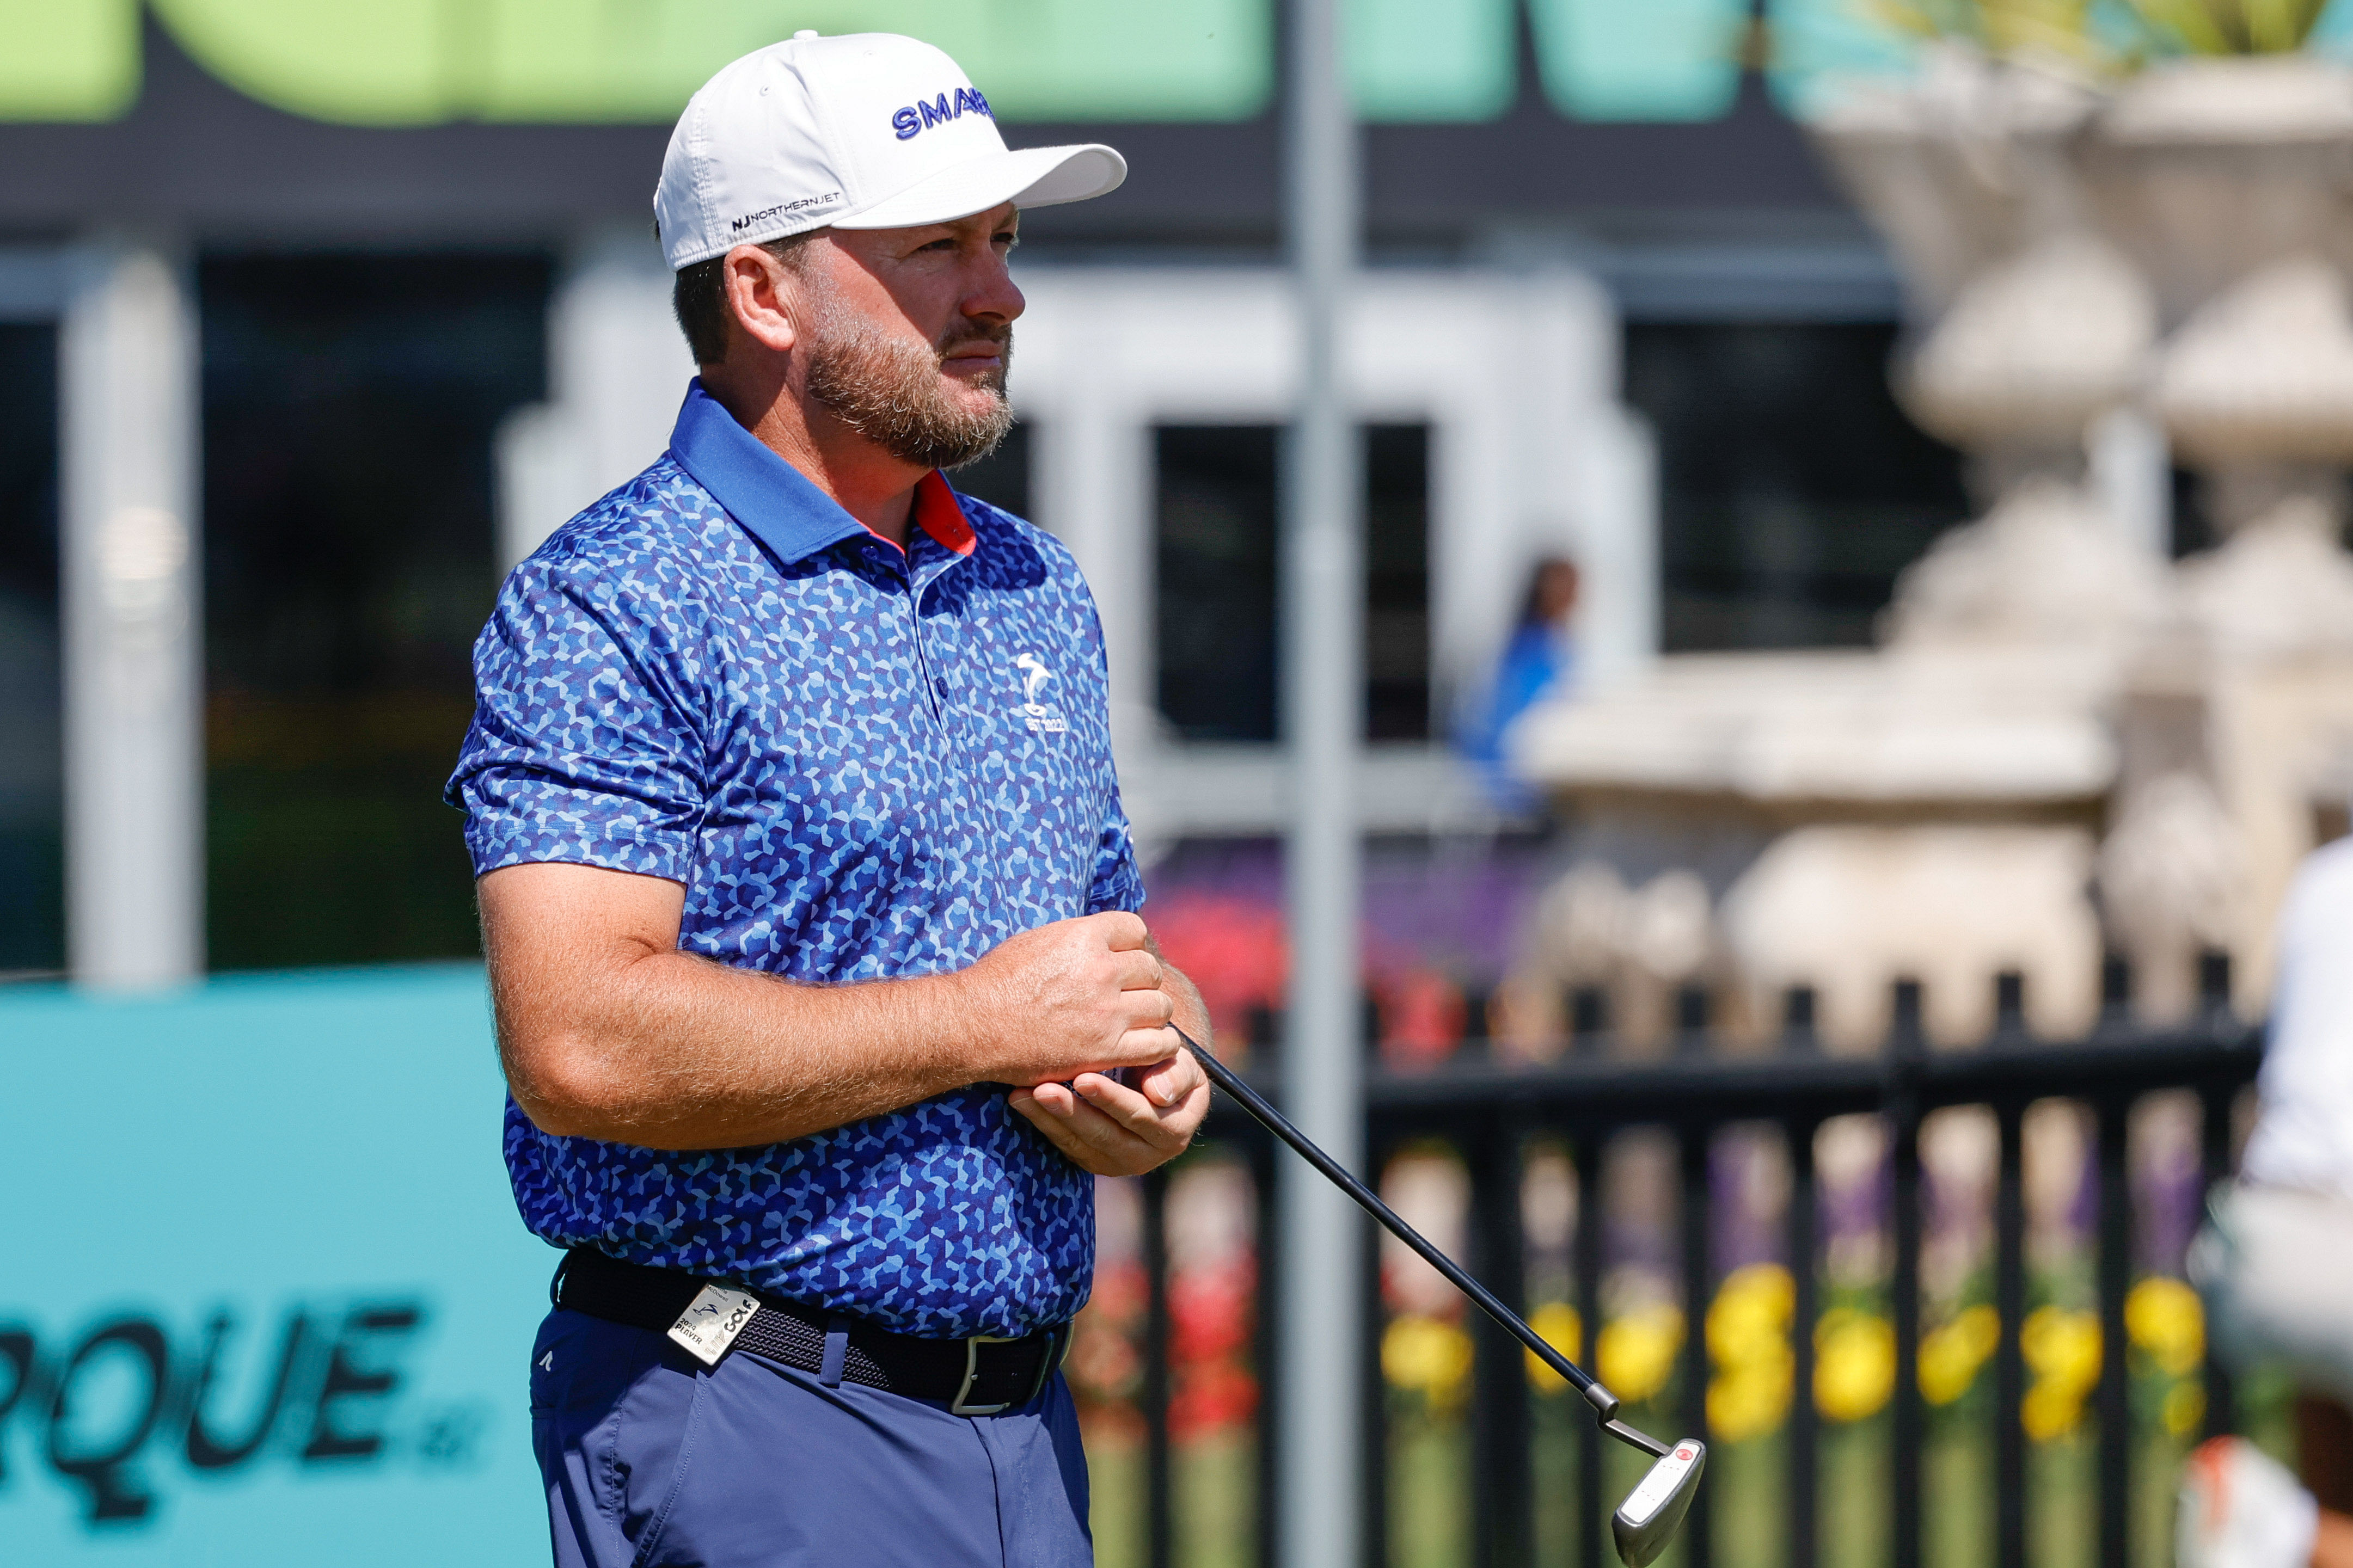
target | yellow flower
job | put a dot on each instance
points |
(1855, 1363)
(1750, 1400)
(2184, 1408)
(2164, 1318)
(1428, 1355)
(1635, 1354)
(1951, 1356)
(1748, 1341)
(1557, 1325)
(2063, 1350)
(1751, 1313)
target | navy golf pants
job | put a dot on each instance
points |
(650, 1458)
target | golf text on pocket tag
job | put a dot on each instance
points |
(712, 1321)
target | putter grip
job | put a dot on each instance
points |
(1274, 1121)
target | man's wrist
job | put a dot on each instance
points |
(961, 1022)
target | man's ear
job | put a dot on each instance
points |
(764, 297)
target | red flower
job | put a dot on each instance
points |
(1422, 1016)
(1209, 1309)
(1232, 948)
(1210, 1397)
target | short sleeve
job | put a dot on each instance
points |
(1117, 884)
(583, 748)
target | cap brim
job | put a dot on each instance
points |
(1028, 177)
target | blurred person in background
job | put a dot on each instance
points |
(2275, 1258)
(1538, 663)
(807, 895)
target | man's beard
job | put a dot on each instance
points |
(888, 390)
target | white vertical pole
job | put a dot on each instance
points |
(617, 371)
(1319, 1456)
(2131, 476)
(1618, 627)
(617, 360)
(1090, 485)
(134, 786)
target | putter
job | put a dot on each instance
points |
(1654, 1510)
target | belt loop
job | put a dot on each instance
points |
(1058, 1341)
(837, 1351)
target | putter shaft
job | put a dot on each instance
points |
(1604, 1403)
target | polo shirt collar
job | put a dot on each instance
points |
(776, 501)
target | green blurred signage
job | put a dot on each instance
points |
(1659, 60)
(1409, 60)
(426, 62)
(264, 1298)
(430, 62)
(67, 59)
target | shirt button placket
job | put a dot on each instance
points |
(909, 600)
(935, 689)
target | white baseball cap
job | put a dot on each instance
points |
(862, 131)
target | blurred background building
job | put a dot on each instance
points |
(315, 324)
(1942, 404)
(355, 309)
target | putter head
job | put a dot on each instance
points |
(1654, 1510)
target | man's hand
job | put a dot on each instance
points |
(1081, 996)
(1116, 1129)
(1113, 1131)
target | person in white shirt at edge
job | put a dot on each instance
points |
(2276, 1260)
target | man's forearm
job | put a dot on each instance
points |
(607, 1030)
(674, 1051)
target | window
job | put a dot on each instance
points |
(1397, 586)
(1216, 557)
(1792, 488)
(1215, 602)
(349, 407)
(32, 752)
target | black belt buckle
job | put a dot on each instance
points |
(1046, 1361)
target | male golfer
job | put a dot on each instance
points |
(807, 894)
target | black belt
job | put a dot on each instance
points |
(975, 1376)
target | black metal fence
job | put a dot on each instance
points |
(1489, 1112)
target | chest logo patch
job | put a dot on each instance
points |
(1043, 718)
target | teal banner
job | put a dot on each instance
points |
(264, 1298)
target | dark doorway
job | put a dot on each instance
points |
(1216, 596)
(1792, 488)
(1215, 514)
(350, 404)
(1396, 582)
(32, 747)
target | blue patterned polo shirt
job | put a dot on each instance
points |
(862, 763)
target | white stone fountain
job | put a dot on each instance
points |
(2063, 742)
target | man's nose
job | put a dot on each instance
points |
(995, 296)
